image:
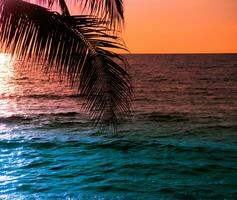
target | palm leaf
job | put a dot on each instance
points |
(77, 47)
(109, 10)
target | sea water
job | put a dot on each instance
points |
(180, 141)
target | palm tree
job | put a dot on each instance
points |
(80, 48)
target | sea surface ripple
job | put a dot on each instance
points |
(180, 141)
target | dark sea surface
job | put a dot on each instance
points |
(179, 143)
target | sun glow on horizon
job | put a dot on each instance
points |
(6, 73)
(5, 59)
(6, 86)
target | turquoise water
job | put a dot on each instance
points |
(179, 143)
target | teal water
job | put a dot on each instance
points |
(179, 143)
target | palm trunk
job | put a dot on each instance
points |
(64, 8)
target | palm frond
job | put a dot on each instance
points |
(77, 47)
(109, 10)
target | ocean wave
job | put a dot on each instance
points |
(163, 117)
(165, 124)
(40, 96)
(15, 119)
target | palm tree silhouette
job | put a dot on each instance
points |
(79, 47)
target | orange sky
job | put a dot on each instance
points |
(181, 26)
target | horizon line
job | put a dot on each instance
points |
(213, 53)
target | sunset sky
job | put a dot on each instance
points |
(181, 26)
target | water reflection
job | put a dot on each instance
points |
(7, 88)
(6, 73)
(182, 133)
(25, 91)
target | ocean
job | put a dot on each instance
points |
(180, 141)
